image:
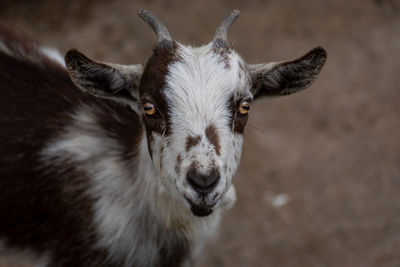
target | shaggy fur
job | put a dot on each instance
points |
(88, 179)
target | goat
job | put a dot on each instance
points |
(110, 165)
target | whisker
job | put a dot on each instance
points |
(253, 144)
(257, 127)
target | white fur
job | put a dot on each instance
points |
(136, 201)
(198, 89)
(52, 54)
(32, 54)
(137, 204)
(125, 198)
(4, 48)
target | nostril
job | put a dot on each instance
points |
(203, 183)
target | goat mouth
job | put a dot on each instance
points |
(201, 209)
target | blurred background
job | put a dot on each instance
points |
(319, 180)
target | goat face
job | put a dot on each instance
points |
(194, 117)
(194, 103)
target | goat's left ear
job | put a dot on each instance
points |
(284, 78)
(111, 81)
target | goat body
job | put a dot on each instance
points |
(110, 165)
(77, 187)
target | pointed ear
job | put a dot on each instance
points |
(284, 78)
(111, 81)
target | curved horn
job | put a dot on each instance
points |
(156, 24)
(221, 34)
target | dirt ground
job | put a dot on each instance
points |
(319, 181)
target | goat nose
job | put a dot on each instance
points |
(203, 184)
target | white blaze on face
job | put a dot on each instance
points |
(199, 89)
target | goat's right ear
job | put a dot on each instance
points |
(111, 81)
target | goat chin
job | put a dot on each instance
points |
(201, 208)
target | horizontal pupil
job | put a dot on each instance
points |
(148, 108)
(246, 107)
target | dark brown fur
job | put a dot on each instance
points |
(238, 121)
(289, 77)
(192, 141)
(178, 164)
(44, 208)
(99, 78)
(152, 84)
(223, 52)
(151, 89)
(213, 137)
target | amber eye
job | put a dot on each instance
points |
(149, 108)
(244, 108)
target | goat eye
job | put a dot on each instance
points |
(244, 108)
(149, 108)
